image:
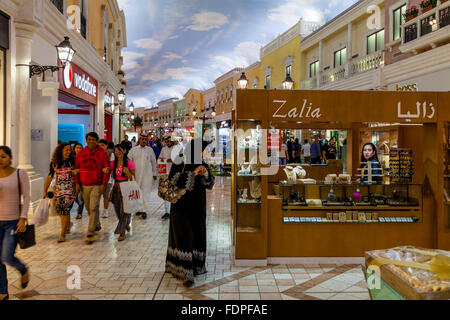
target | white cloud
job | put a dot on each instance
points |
(207, 20)
(138, 87)
(171, 73)
(140, 102)
(333, 3)
(130, 60)
(171, 56)
(174, 37)
(184, 61)
(291, 11)
(124, 3)
(250, 51)
(148, 43)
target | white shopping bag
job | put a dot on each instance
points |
(132, 197)
(41, 213)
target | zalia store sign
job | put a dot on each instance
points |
(78, 83)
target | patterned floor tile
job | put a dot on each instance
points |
(135, 269)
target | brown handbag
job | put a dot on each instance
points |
(168, 191)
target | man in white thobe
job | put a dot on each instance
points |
(144, 160)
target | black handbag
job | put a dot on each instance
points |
(26, 239)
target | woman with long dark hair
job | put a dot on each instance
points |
(62, 167)
(369, 154)
(13, 217)
(186, 252)
(79, 200)
(122, 170)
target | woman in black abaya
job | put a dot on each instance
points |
(186, 251)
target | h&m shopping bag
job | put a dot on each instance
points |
(132, 197)
(41, 213)
(162, 168)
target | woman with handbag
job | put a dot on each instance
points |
(186, 252)
(13, 217)
(62, 168)
(123, 170)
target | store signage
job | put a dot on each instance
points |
(305, 112)
(409, 87)
(224, 124)
(423, 110)
(82, 82)
(78, 83)
(109, 100)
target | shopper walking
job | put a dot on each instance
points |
(127, 143)
(91, 161)
(186, 252)
(155, 144)
(165, 158)
(283, 154)
(290, 147)
(122, 170)
(79, 200)
(306, 149)
(144, 159)
(105, 210)
(110, 150)
(297, 150)
(62, 169)
(13, 218)
(316, 153)
(330, 151)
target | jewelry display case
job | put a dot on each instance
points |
(248, 191)
(351, 203)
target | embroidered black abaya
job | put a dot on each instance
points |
(186, 252)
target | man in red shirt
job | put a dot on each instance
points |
(92, 161)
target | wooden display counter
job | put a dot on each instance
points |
(261, 230)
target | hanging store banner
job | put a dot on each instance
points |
(78, 83)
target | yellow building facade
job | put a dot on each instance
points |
(194, 100)
(102, 24)
(282, 56)
(347, 47)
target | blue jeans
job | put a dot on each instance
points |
(8, 244)
(282, 161)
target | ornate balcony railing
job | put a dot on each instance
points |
(427, 23)
(336, 74)
(367, 63)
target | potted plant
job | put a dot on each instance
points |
(411, 13)
(427, 5)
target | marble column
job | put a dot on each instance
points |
(100, 128)
(24, 39)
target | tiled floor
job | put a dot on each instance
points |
(134, 269)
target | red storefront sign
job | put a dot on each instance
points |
(78, 83)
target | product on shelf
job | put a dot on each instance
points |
(401, 164)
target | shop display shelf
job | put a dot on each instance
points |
(249, 175)
(249, 201)
(324, 220)
(248, 229)
(368, 207)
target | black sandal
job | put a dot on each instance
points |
(188, 283)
